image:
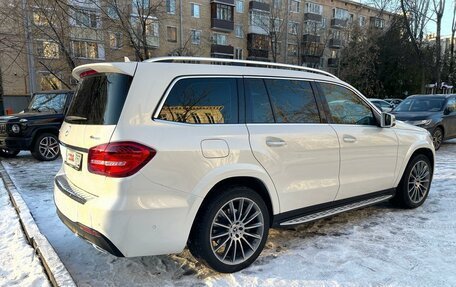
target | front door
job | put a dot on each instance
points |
(367, 152)
(300, 154)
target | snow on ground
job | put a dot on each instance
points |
(375, 246)
(19, 265)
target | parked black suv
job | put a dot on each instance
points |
(37, 127)
(436, 113)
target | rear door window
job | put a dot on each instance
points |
(202, 101)
(99, 99)
(257, 102)
(292, 101)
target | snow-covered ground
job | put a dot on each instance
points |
(375, 246)
(19, 265)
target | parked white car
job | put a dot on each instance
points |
(175, 152)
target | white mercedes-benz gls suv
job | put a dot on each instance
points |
(211, 153)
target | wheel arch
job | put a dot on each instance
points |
(422, 149)
(40, 131)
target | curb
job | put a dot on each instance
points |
(57, 273)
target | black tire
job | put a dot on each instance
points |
(437, 137)
(404, 197)
(8, 153)
(202, 246)
(43, 151)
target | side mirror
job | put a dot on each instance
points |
(387, 120)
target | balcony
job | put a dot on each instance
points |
(222, 25)
(312, 17)
(333, 62)
(309, 38)
(313, 49)
(226, 2)
(222, 50)
(311, 59)
(338, 23)
(255, 54)
(256, 5)
(335, 43)
(257, 42)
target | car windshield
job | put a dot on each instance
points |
(47, 102)
(420, 105)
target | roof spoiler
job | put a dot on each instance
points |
(127, 68)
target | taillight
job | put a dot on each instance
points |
(119, 159)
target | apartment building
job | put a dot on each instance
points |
(310, 33)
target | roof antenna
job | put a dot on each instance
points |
(126, 60)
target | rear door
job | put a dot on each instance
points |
(450, 118)
(90, 121)
(368, 153)
(289, 139)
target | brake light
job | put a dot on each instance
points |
(87, 73)
(119, 159)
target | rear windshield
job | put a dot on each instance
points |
(99, 99)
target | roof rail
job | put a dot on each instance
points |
(199, 60)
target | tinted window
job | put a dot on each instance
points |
(420, 105)
(292, 101)
(258, 105)
(48, 102)
(346, 107)
(99, 99)
(202, 101)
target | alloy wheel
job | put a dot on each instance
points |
(437, 137)
(419, 181)
(236, 231)
(49, 147)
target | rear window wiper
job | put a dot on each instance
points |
(75, 118)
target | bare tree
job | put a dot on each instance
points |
(453, 32)
(416, 15)
(439, 8)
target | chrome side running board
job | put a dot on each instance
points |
(336, 210)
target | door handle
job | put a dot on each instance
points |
(275, 142)
(349, 139)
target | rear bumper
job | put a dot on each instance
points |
(133, 222)
(90, 235)
(15, 143)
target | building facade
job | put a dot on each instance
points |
(60, 37)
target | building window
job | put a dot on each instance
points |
(112, 11)
(171, 6)
(294, 6)
(85, 18)
(49, 81)
(84, 49)
(277, 4)
(219, 39)
(195, 10)
(151, 30)
(196, 37)
(260, 19)
(139, 6)
(323, 23)
(292, 50)
(238, 53)
(378, 23)
(314, 8)
(224, 12)
(238, 31)
(362, 21)
(239, 6)
(336, 34)
(115, 40)
(40, 19)
(48, 50)
(171, 32)
(293, 28)
(341, 14)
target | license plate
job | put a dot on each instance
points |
(73, 159)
